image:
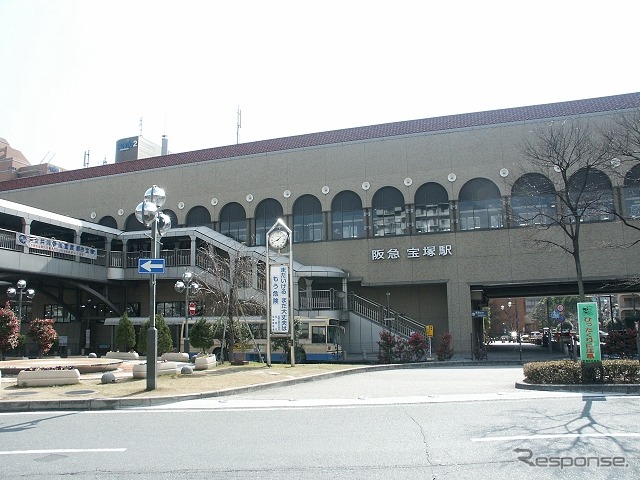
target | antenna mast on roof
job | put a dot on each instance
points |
(86, 159)
(140, 126)
(238, 125)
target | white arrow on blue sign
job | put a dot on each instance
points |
(151, 265)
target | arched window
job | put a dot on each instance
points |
(198, 217)
(480, 205)
(590, 192)
(233, 222)
(132, 224)
(388, 214)
(267, 213)
(347, 216)
(631, 191)
(108, 221)
(307, 219)
(432, 209)
(533, 201)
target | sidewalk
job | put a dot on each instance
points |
(227, 380)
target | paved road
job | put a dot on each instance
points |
(431, 423)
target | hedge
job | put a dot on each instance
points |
(564, 372)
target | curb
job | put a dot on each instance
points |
(628, 388)
(19, 406)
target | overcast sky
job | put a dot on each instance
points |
(78, 75)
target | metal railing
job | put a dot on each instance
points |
(396, 322)
(321, 300)
(172, 258)
(8, 242)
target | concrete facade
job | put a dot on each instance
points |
(434, 289)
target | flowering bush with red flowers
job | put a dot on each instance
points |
(9, 330)
(42, 332)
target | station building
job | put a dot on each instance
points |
(401, 225)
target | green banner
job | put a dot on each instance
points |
(589, 331)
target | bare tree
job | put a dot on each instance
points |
(227, 280)
(576, 157)
(623, 136)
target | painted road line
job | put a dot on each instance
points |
(63, 450)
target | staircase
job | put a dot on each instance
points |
(388, 319)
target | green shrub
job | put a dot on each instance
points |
(571, 372)
(125, 334)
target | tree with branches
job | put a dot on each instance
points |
(623, 135)
(228, 280)
(576, 153)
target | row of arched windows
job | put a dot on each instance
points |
(533, 201)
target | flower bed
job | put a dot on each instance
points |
(163, 368)
(47, 377)
(123, 355)
(205, 362)
(175, 357)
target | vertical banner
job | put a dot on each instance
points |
(589, 331)
(279, 299)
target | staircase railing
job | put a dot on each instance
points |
(388, 318)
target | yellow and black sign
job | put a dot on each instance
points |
(428, 329)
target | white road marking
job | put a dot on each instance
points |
(62, 450)
(227, 403)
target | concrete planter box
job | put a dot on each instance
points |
(48, 378)
(123, 355)
(175, 357)
(205, 363)
(164, 368)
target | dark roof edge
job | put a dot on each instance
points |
(385, 130)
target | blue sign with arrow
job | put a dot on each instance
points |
(151, 265)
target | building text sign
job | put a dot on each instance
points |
(589, 332)
(279, 299)
(413, 252)
(56, 246)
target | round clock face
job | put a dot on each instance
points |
(278, 239)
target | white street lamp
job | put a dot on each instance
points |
(188, 286)
(21, 290)
(148, 213)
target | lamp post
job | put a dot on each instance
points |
(20, 291)
(188, 286)
(388, 295)
(148, 213)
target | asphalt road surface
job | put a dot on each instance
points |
(438, 423)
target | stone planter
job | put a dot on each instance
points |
(175, 357)
(123, 355)
(205, 363)
(164, 368)
(48, 378)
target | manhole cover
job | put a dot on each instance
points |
(22, 394)
(80, 392)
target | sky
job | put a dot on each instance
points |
(78, 75)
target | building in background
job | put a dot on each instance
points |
(136, 148)
(14, 165)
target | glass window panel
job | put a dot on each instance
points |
(347, 216)
(388, 215)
